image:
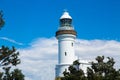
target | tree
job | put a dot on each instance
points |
(9, 58)
(103, 70)
(2, 22)
(99, 70)
(75, 73)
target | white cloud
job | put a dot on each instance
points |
(11, 40)
(40, 58)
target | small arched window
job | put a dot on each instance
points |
(72, 44)
(65, 53)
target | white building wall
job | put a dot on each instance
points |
(60, 69)
(84, 64)
(66, 48)
(66, 54)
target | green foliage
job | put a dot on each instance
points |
(2, 22)
(103, 70)
(9, 58)
(99, 70)
(74, 72)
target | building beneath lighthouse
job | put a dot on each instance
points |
(66, 36)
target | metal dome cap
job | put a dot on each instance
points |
(65, 15)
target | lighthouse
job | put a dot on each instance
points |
(66, 36)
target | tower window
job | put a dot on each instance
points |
(72, 44)
(65, 53)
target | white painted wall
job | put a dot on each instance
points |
(66, 48)
(66, 53)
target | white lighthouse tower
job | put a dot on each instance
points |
(66, 37)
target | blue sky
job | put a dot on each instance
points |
(27, 20)
(31, 26)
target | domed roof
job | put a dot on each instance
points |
(65, 15)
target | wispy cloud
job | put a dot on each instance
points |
(39, 59)
(11, 40)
